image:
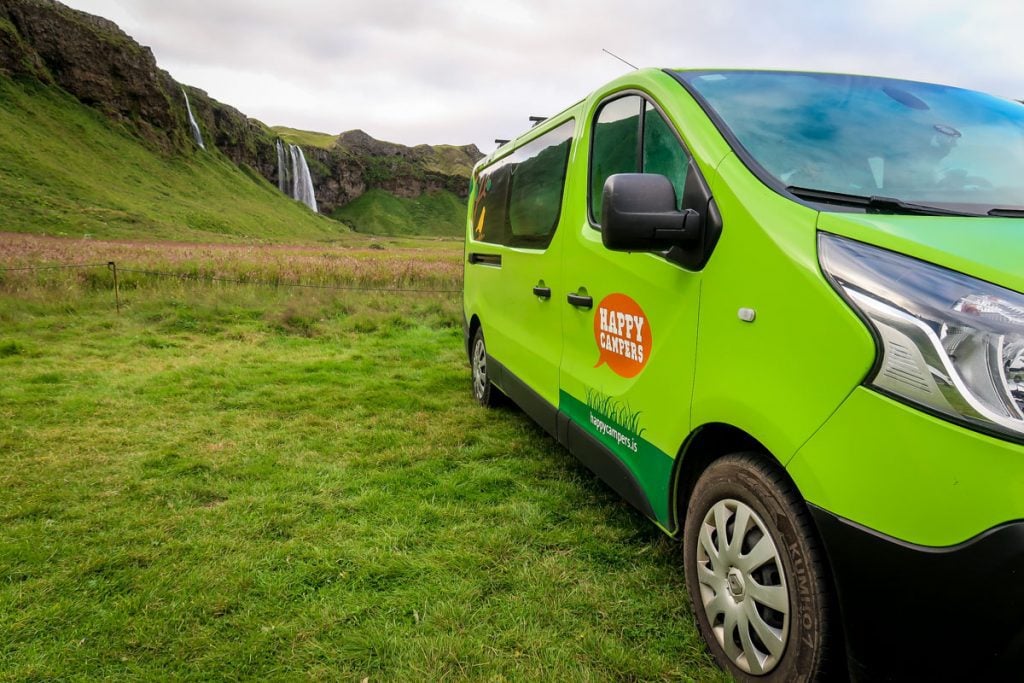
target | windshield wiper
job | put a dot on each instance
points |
(874, 203)
(1007, 213)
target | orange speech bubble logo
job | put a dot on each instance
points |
(623, 335)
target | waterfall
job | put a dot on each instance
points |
(293, 176)
(301, 180)
(283, 175)
(196, 133)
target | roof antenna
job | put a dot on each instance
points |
(635, 67)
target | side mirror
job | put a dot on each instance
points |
(639, 214)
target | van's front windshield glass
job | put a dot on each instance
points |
(874, 137)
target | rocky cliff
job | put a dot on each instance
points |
(103, 67)
(357, 162)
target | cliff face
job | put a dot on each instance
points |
(92, 59)
(245, 141)
(358, 162)
(100, 65)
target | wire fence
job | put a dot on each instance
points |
(117, 270)
(56, 267)
(348, 288)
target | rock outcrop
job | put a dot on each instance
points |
(96, 62)
(358, 162)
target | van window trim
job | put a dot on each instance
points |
(532, 134)
(648, 98)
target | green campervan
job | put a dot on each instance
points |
(781, 314)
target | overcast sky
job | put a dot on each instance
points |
(446, 71)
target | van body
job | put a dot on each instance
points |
(780, 314)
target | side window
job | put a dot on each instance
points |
(663, 153)
(519, 199)
(490, 212)
(615, 146)
(538, 181)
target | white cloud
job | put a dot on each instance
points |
(457, 72)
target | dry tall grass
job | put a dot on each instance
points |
(435, 265)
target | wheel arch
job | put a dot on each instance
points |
(703, 446)
(712, 441)
(474, 325)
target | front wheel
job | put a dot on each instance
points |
(754, 573)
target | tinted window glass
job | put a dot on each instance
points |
(615, 147)
(663, 153)
(535, 199)
(519, 198)
(490, 222)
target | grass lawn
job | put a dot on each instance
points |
(237, 482)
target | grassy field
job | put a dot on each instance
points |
(379, 213)
(66, 169)
(235, 482)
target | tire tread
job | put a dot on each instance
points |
(779, 485)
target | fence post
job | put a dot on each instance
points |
(117, 290)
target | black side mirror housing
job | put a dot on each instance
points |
(639, 214)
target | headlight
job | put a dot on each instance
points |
(949, 343)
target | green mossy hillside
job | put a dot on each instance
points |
(67, 169)
(377, 212)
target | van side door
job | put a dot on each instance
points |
(630, 327)
(513, 269)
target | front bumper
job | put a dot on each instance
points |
(922, 525)
(933, 614)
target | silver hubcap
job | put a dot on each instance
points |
(479, 369)
(743, 586)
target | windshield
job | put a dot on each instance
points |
(855, 135)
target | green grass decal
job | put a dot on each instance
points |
(616, 411)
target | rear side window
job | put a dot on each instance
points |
(631, 136)
(519, 198)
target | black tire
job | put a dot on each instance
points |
(734, 589)
(484, 391)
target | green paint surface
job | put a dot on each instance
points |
(792, 379)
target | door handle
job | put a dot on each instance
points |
(542, 292)
(581, 301)
(485, 259)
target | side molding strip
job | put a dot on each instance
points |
(609, 468)
(588, 450)
(532, 403)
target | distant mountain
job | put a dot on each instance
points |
(45, 43)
